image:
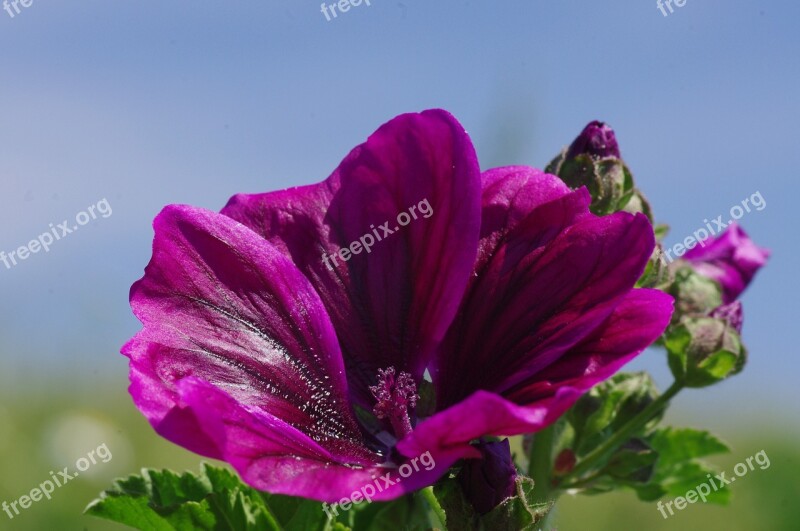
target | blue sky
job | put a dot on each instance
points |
(185, 102)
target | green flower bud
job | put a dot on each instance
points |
(593, 160)
(704, 350)
(694, 294)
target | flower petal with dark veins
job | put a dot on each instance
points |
(540, 287)
(390, 304)
(272, 455)
(221, 305)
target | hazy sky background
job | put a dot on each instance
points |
(147, 104)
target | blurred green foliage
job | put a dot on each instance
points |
(45, 430)
(762, 499)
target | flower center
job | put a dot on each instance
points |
(394, 398)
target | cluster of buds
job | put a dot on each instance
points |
(703, 341)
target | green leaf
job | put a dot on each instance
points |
(689, 476)
(678, 445)
(678, 469)
(215, 499)
(409, 512)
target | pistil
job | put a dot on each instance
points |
(395, 396)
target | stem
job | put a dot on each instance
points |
(540, 464)
(433, 502)
(625, 433)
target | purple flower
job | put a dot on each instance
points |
(305, 376)
(596, 140)
(732, 259)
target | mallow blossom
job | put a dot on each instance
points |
(507, 304)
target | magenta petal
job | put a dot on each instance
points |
(219, 303)
(272, 455)
(541, 288)
(390, 306)
(636, 323)
(732, 259)
(484, 413)
(510, 193)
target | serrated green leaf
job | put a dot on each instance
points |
(678, 469)
(214, 499)
(295, 514)
(691, 475)
(409, 513)
(678, 445)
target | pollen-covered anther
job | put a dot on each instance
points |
(395, 396)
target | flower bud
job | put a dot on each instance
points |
(705, 350)
(596, 140)
(593, 160)
(695, 294)
(489, 481)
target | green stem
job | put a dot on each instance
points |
(540, 463)
(433, 502)
(621, 436)
(540, 469)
